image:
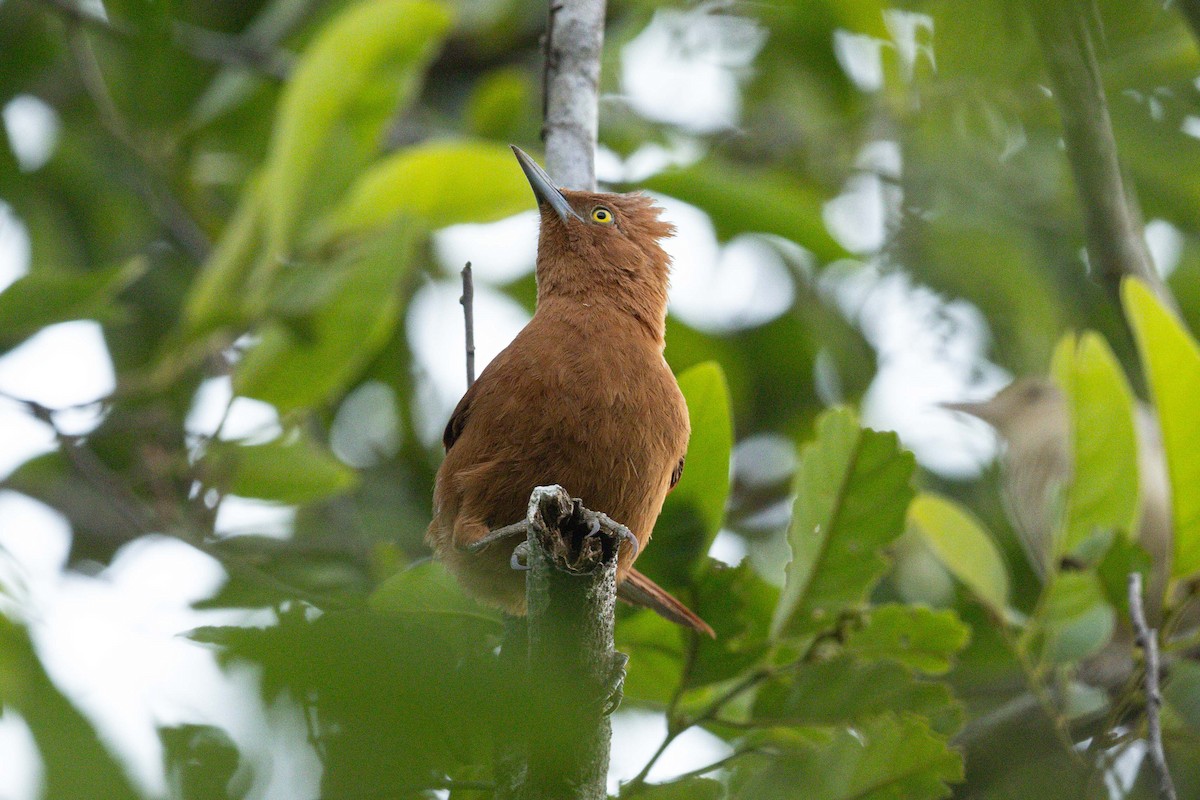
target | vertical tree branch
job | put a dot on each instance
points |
(571, 116)
(1112, 220)
(1147, 639)
(468, 303)
(573, 672)
(561, 745)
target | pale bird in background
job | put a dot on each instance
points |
(1030, 414)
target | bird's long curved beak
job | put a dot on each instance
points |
(543, 187)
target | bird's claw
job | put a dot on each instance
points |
(621, 531)
(500, 534)
(616, 684)
(520, 552)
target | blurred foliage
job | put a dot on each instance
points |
(247, 191)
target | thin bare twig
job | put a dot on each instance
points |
(468, 303)
(1147, 639)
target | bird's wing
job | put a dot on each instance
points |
(458, 420)
(639, 590)
(677, 473)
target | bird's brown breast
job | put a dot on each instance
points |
(580, 398)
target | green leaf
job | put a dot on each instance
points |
(298, 369)
(291, 469)
(887, 758)
(390, 39)
(852, 487)
(740, 200)
(438, 183)
(1171, 360)
(656, 656)
(1103, 493)
(1074, 619)
(426, 588)
(500, 104)
(694, 510)
(737, 603)
(1123, 557)
(846, 691)
(44, 298)
(961, 544)
(915, 636)
(210, 301)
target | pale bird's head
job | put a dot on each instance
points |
(1027, 403)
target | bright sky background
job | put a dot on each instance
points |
(112, 641)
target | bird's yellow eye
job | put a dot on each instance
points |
(602, 215)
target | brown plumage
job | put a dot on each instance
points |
(582, 398)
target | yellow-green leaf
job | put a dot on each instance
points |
(439, 183)
(744, 201)
(1103, 494)
(287, 470)
(1074, 619)
(962, 545)
(1171, 360)
(694, 511)
(367, 40)
(292, 368)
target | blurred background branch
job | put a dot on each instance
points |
(206, 45)
(1112, 218)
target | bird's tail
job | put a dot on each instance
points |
(639, 590)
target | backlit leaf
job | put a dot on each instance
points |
(887, 758)
(1074, 619)
(293, 369)
(695, 508)
(741, 200)
(438, 183)
(847, 691)
(1103, 493)
(961, 544)
(1171, 360)
(367, 40)
(291, 469)
(44, 298)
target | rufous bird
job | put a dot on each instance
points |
(582, 398)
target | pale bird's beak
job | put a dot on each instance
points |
(980, 409)
(543, 187)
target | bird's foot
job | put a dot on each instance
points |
(520, 557)
(500, 534)
(603, 520)
(615, 685)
